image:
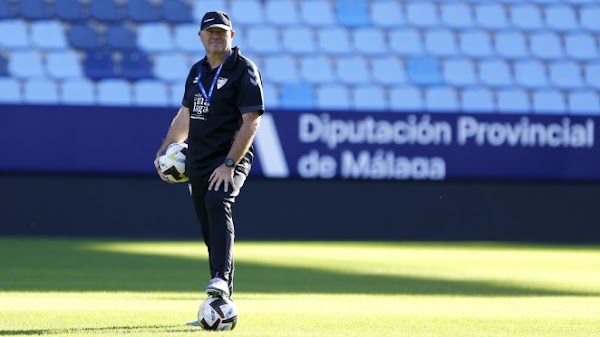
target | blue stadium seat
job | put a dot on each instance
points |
(10, 90)
(82, 36)
(185, 37)
(561, 17)
(459, 72)
(422, 14)
(201, 7)
(592, 75)
(282, 12)
(333, 97)
(369, 98)
(13, 34)
(566, 75)
(78, 91)
(114, 92)
(299, 95)
(71, 10)
(549, 101)
(298, 40)
(34, 9)
(440, 42)
(263, 40)
(352, 13)
(406, 42)
(476, 43)
(141, 11)
(63, 64)
(334, 41)
(40, 91)
(441, 99)
(6, 10)
(353, 70)
(3, 66)
(423, 70)
(511, 44)
(120, 37)
(177, 11)
(136, 65)
(477, 100)
(370, 41)
(513, 101)
(584, 102)
(317, 69)
(150, 93)
(99, 65)
(106, 10)
(530, 73)
(526, 17)
(281, 69)
(247, 12)
(271, 96)
(388, 70)
(546, 45)
(171, 67)
(26, 64)
(491, 16)
(155, 37)
(387, 14)
(588, 16)
(457, 15)
(317, 13)
(406, 98)
(495, 73)
(47, 35)
(581, 46)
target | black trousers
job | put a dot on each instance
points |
(214, 213)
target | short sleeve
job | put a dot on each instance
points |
(250, 92)
(185, 101)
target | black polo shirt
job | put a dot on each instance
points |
(237, 90)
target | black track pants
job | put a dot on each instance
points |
(214, 213)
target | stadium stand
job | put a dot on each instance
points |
(373, 55)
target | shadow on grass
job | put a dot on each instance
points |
(74, 331)
(31, 265)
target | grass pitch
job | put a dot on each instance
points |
(75, 287)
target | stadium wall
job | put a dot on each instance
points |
(145, 207)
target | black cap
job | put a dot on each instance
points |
(216, 19)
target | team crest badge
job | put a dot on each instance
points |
(221, 82)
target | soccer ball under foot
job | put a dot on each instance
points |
(217, 313)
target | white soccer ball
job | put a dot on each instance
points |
(172, 163)
(218, 314)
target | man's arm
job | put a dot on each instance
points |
(178, 133)
(241, 145)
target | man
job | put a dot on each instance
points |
(220, 114)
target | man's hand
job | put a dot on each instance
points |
(222, 175)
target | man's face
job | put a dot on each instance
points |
(216, 40)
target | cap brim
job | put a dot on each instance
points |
(224, 27)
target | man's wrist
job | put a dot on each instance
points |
(229, 162)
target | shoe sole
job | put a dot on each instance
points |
(216, 292)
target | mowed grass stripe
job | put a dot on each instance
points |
(112, 288)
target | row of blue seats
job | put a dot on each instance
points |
(424, 70)
(112, 92)
(554, 15)
(175, 11)
(159, 37)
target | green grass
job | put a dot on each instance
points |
(76, 287)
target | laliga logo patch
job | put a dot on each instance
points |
(221, 82)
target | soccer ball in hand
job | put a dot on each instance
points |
(217, 313)
(172, 163)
